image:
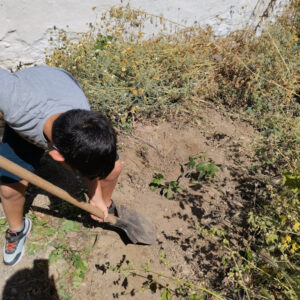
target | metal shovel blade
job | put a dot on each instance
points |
(137, 228)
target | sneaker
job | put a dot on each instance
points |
(14, 244)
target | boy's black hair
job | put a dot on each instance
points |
(87, 141)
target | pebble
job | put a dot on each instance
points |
(185, 270)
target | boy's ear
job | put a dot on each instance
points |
(56, 155)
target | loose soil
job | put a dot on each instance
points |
(221, 202)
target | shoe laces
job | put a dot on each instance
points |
(10, 246)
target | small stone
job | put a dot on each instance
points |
(185, 270)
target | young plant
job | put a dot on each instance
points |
(167, 189)
(201, 170)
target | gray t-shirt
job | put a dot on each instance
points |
(30, 96)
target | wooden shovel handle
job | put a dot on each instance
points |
(51, 188)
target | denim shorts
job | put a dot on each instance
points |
(21, 152)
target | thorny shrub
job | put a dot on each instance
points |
(128, 77)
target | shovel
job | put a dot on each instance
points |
(136, 227)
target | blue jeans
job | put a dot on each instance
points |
(20, 151)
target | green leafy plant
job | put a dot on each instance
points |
(80, 265)
(200, 170)
(167, 189)
(292, 181)
(206, 170)
(157, 182)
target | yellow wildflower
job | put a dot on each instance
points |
(123, 120)
(285, 245)
(296, 226)
(122, 74)
(295, 246)
(123, 69)
(140, 91)
(287, 239)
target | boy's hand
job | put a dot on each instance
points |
(102, 206)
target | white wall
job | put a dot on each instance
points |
(25, 25)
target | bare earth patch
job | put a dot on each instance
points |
(189, 253)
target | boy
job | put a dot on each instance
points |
(45, 108)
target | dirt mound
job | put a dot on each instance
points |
(186, 247)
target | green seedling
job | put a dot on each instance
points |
(167, 189)
(80, 266)
(156, 182)
(206, 170)
(202, 170)
(171, 188)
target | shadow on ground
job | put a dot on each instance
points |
(33, 284)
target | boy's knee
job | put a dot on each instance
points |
(7, 192)
(12, 191)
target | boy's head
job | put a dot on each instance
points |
(87, 142)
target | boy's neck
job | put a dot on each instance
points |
(48, 126)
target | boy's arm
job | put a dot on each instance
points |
(95, 196)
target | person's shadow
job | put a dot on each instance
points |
(33, 284)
